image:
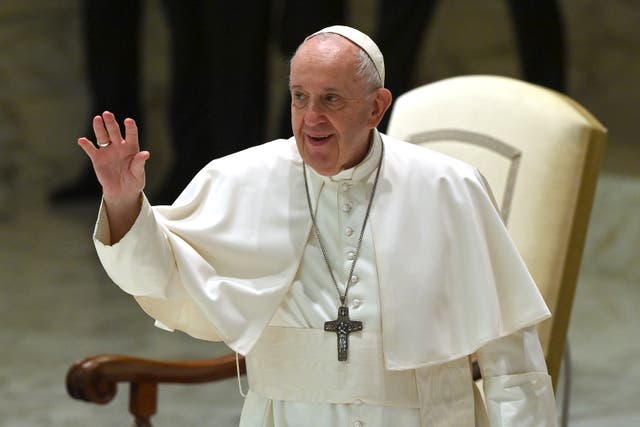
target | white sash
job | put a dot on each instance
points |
(300, 365)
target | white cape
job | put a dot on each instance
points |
(219, 261)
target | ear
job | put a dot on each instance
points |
(381, 104)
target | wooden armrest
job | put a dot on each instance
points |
(95, 378)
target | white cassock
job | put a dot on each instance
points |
(437, 279)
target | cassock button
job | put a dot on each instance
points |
(348, 231)
(354, 279)
(356, 303)
(346, 208)
(351, 255)
(358, 423)
(345, 186)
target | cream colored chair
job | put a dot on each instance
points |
(540, 152)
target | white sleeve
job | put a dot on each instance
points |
(517, 388)
(141, 263)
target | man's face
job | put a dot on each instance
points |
(332, 112)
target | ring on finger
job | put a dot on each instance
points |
(104, 144)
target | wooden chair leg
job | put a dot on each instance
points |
(142, 422)
(143, 402)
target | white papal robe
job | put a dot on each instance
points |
(437, 280)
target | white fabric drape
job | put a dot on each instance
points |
(223, 261)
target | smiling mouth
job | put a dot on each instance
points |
(318, 139)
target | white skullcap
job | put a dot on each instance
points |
(362, 40)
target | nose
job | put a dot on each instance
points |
(314, 113)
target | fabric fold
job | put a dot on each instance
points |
(522, 400)
(217, 263)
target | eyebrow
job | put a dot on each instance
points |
(326, 89)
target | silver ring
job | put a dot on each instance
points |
(106, 144)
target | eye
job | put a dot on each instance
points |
(332, 98)
(333, 101)
(299, 99)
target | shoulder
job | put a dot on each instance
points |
(270, 152)
(268, 164)
(419, 161)
(415, 166)
(279, 153)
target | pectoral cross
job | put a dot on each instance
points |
(342, 326)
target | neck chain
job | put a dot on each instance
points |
(343, 326)
(343, 297)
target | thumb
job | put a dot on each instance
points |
(138, 162)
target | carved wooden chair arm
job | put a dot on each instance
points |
(95, 378)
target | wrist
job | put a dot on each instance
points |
(122, 213)
(123, 203)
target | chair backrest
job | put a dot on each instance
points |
(540, 152)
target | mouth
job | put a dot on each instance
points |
(318, 139)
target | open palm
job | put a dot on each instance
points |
(117, 162)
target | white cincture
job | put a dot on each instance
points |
(242, 393)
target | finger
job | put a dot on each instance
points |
(102, 137)
(131, 133)
(113, 129)
(88, 147)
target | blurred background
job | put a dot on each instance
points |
(56, 303)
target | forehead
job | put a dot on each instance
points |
(328, 59)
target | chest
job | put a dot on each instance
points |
(313, 298)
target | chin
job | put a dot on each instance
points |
(321, 169)
(322, 166)
(328, 172)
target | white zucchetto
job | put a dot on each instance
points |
(362, 40)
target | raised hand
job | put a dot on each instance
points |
(117, 161)
(119, 167)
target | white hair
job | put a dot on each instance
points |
(367, 71)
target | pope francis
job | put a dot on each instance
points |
(356, 272)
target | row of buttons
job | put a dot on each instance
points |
(346, 208)
(351, 255)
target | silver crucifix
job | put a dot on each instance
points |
(342, 326)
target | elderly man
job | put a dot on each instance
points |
(358, 273)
